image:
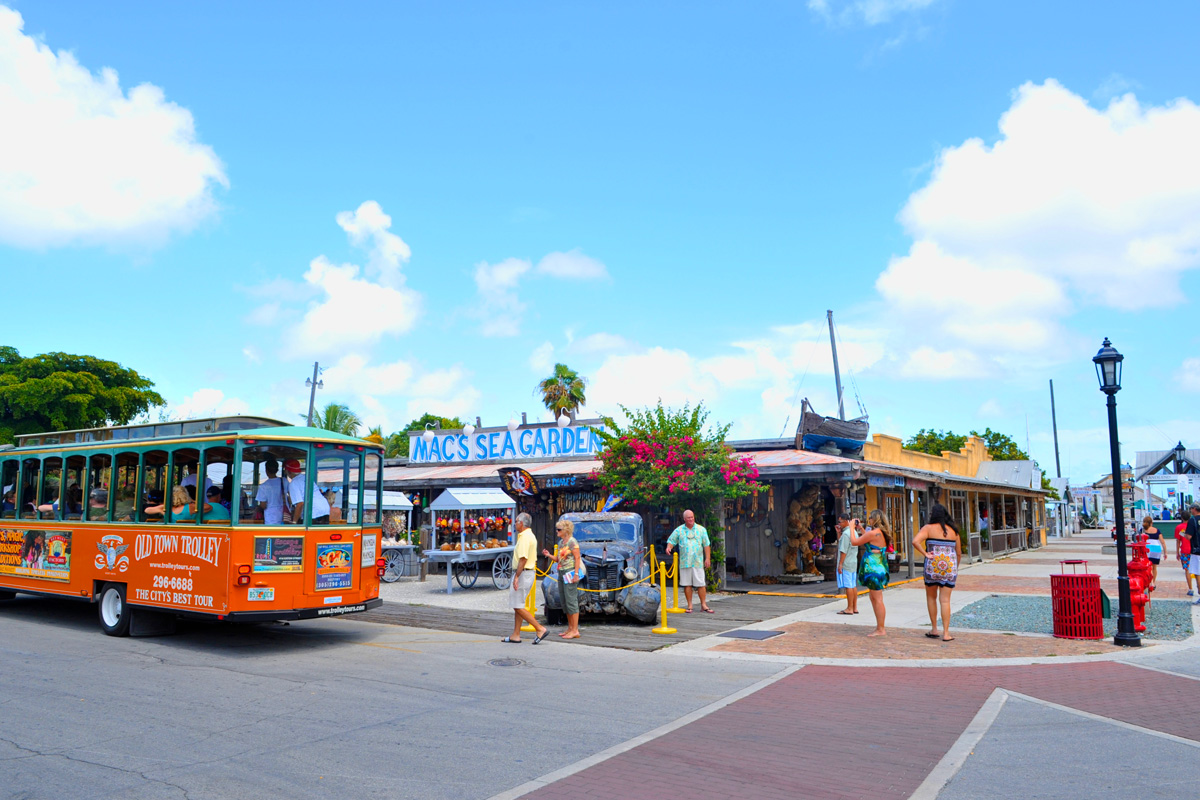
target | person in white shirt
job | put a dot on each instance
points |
(270, 495)
(190, 479)
(296, 486)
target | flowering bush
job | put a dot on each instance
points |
(663, 457)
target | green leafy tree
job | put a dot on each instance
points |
(673, 458)
(934, 441)
(1000, 447)
(563, 391)
(60, 391)
(337, 418)
(397, 444)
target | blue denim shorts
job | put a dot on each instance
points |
(847, 579)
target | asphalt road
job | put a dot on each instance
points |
(320, 709)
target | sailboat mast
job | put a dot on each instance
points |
(837, 375)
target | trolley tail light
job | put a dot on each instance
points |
(379, 572)
(243, 580)
(335, 537)
(379, 562)
(243, 577)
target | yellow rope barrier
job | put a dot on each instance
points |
(675, 609)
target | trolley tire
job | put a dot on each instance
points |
(114, 611)
(466, 573)
(502, 571)
(7, 595)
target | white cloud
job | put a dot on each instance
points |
(573, 265)
(209, 403)
(500, 308)
(369, 227)
(541, 360)
(444, 392)
(642, 379)
(1187, 377)
(251, 354)
(83, 161)
(352, 311)
(1071, 207)
(602, 343)
(348, 307)
(353, 373)
(869, 12)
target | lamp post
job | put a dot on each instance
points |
(1108, 371)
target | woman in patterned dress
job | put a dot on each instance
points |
(872, 562)
(939, 544)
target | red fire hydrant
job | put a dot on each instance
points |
(1139, 581)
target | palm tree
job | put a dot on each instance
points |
(563, 390)
(375, 435)
(396, 445)
(338, 418)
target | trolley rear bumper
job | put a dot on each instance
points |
(304, 613)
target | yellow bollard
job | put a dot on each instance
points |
(664, 629)
(675, 609)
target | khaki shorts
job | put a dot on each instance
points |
(516, 597)
(691, 576)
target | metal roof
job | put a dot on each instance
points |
(467, 474)
(459, 498)
(396, 501)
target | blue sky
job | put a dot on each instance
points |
(439, 201)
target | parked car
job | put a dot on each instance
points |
(613, 548)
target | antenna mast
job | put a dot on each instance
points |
(837, 375)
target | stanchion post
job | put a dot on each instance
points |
(675, 609)
(531, 598)
(663, 629)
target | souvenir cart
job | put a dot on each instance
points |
(473, 527)
(399, 546)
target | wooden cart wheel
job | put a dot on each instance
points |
(466, 573)
(502, 571)
(396, 564)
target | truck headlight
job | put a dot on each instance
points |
(630, 574)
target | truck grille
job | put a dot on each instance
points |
(606, 578)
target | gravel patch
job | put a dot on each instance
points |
(1169, 620)
(432, 592)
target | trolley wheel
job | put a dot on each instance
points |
(502, 571)
(396, 564)
(7, 595)
(114, 613)
(466, 573)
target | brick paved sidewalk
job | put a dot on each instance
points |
(823, 640)
(787, 740)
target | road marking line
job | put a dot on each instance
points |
(626, 746)
(1126, 725)
(1163, 671)
(957, 755)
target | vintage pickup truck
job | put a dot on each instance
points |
(614, 553)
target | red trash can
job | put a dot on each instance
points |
(1076, 601)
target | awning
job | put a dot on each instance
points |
(396, 501)
(461, 498)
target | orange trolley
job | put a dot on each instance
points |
(228, 518)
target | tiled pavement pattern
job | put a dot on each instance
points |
(904, 719)
(1168, 587)
(822, 640)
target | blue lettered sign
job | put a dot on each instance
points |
(524, 444)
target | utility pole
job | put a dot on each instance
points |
(837, 375)
(1054, 423)
(314, 384)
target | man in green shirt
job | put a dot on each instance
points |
(695, 556)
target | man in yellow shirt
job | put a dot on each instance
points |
(524, 574)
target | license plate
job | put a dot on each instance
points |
(266, 594)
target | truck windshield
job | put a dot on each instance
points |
(603, 530)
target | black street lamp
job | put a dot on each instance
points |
(1108, 371)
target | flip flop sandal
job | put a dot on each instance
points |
(510, 640)
(951, 639)
(687, 611)
(708, 611)
(538, 639)
(846, 613)
(933, 636)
